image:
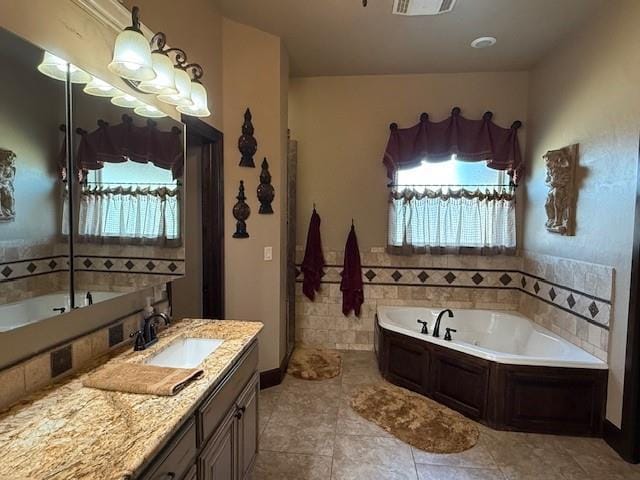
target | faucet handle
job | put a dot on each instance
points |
(139, 342)
(447, 333)
(425, 329)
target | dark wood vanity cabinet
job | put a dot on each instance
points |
(219, 441)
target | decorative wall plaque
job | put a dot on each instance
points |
(241, 212)
(561, 199)
(266, 192)
(247, 143)
(7, 192)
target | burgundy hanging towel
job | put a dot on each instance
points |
(313, 263)
(351, 284)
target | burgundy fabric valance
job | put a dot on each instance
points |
(126, 141)
(470, 140)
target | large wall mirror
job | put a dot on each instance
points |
(90, 189)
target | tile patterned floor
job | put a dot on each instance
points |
(309, 432)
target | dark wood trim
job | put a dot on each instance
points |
(626, 440)
(210, 141)
(523, 398)
(273, 377)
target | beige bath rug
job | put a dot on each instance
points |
(415, 419)
(314, 363)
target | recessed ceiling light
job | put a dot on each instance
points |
(483, 42)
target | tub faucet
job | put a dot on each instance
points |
(436, 329)
(425, 329)
(89, 298)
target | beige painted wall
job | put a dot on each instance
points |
(254, 76)
(586, 91)
(342, 127)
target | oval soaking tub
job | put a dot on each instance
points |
(499, 368)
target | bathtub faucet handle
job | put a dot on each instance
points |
(424, 330)
(447, 333)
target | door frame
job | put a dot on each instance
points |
(626, 440)
(212, 189)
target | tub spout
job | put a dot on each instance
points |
(436, 329)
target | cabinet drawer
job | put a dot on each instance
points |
(213, 410)
(177, 457)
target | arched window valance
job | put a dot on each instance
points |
(126, 141)
(469, 140)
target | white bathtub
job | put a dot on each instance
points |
(31, 310)
(503, 337)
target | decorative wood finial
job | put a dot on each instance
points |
(247, 143)
(241, 212)
(266, 192)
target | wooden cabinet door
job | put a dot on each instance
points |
(218, 460)
(248, 427)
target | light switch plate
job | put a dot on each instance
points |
(268, 254)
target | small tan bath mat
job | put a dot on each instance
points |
(144, 379)
(415, 419)
(314, 363)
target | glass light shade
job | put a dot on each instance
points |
(100, 88)
(164, 83)
(183, 84)
(149, 111)
(132, 57)
(55, 67)
(199, 99)
(127, 101)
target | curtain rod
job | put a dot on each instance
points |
(512, 185)
(135, 183)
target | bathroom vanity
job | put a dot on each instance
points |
(208, 431)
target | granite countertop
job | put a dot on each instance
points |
(68, 431)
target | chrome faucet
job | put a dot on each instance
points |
(147, 335)
(436, 329)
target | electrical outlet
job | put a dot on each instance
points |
(268, 254)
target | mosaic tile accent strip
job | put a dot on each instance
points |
(32, 267)
(124, 264)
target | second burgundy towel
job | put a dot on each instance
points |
(313, 262)
(351, 284)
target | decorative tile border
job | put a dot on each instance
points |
(32, 267)
(130, 264)
(590, 308)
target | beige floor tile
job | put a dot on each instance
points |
(300, 433)
(288, 466)
(442, 472)
(372, 458)
(476, 457)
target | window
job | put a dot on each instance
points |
(452, 205)
(130, 203)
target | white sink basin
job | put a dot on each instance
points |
(185, 353)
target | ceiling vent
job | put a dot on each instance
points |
(422, 7)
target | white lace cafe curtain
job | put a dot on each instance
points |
(452, 221)
(130, 216)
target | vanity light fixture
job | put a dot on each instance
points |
(164, 83)
(199, 106)
(132, 53)
(100, 88)
(169, 80)
(149, 111)
(127, 101)
(55, 67)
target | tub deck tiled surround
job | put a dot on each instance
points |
(571, 298)
(72, 432)
(309, 432)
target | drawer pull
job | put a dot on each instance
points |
(169, 476)
(240, 412)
